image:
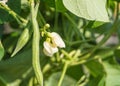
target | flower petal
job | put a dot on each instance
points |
(3, 1)
(47, 53)
(57, 40)
(49, 50)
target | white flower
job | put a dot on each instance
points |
(51, 45)
(57, 40)
(3, 1)
(49, 50)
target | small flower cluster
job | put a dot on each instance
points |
(3, 1)
(52, 43)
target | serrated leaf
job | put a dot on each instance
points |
(88, 9)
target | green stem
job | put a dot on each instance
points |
(75, 25)
(56, 20)
(66, 54)
(30, 82)
(4, 82)
(18, 18)
(41, 19)
(80, 41)
(63, 74)
(84, 61)
(35, 47)
(85, 58)
(56, 15)
(113, 29)
(36, 9)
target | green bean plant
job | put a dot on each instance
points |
(59, 43)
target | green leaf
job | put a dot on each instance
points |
(117, 0)
(4, 16)
(117, 54)
(94, 24)
(54, 78)
(98, 73)
(51, 3)
(98, 81)
(75, 72)
(1, 50)
(21, 41)
(59, 6)
(103, 29)
(9, 41)
(95, 68)
(104, 53)
(14, 70)
(113, 74)
(88, 9)
(15, 5)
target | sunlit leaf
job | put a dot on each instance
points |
(113, 74)
(88, 9)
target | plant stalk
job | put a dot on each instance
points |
(63, 74)
(35, 46)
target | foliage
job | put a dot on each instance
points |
(88, 57)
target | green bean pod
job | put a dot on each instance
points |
(23, 39)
